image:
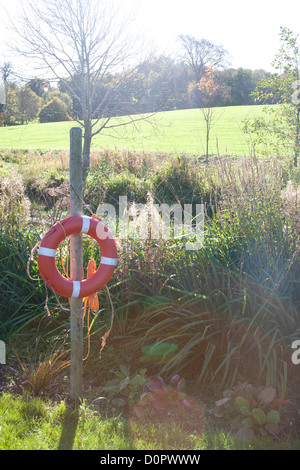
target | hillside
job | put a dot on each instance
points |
(170, 131)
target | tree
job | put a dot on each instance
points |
(282, 88)
(56, 93)
(28, 104)
(2, 94)
(5, 71)
(199, 55)
(241, 83)
(54, 111)
(39, 86)
(208, 90)
(9, 115)
(80, 43)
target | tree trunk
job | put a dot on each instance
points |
(207, 136)
(297, 137)
(86, 152)
(86, 148)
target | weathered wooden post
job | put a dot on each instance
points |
(76, 264)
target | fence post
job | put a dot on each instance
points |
(76, 264)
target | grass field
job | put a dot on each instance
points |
(170, 131)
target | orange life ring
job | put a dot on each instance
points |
(51, 240)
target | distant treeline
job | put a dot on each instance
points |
(161, 84)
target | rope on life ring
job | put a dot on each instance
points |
(47, 251)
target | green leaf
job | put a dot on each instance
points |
(139, 411)
(272, 428)
(273, 417)
(124, 370)
(247, 422)
(245, 410)
(118, 402)
(259, 416)
(243, 405)
(141, 380)
(124, 383)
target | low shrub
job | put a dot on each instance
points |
(104, 185)
(251, 410)
(181, 180)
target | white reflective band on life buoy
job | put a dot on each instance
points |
(85, 224)
(109, 261)
(47, 251)
(76, 289)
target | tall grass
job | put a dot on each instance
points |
(232, 308)
(20, 300)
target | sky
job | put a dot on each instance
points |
(249, 31)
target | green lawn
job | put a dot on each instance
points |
(29, 423)
(170, 131)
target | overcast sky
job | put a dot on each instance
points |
(249, 30)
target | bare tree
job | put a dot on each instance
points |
(5, 72)
(201, 55)
(80, 43)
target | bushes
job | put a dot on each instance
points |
(182, 179)
(170, 180)
(54, 111)
(103, 184)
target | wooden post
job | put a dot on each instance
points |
(76, 264)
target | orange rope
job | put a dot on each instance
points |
(65, 270)
(90, 303)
